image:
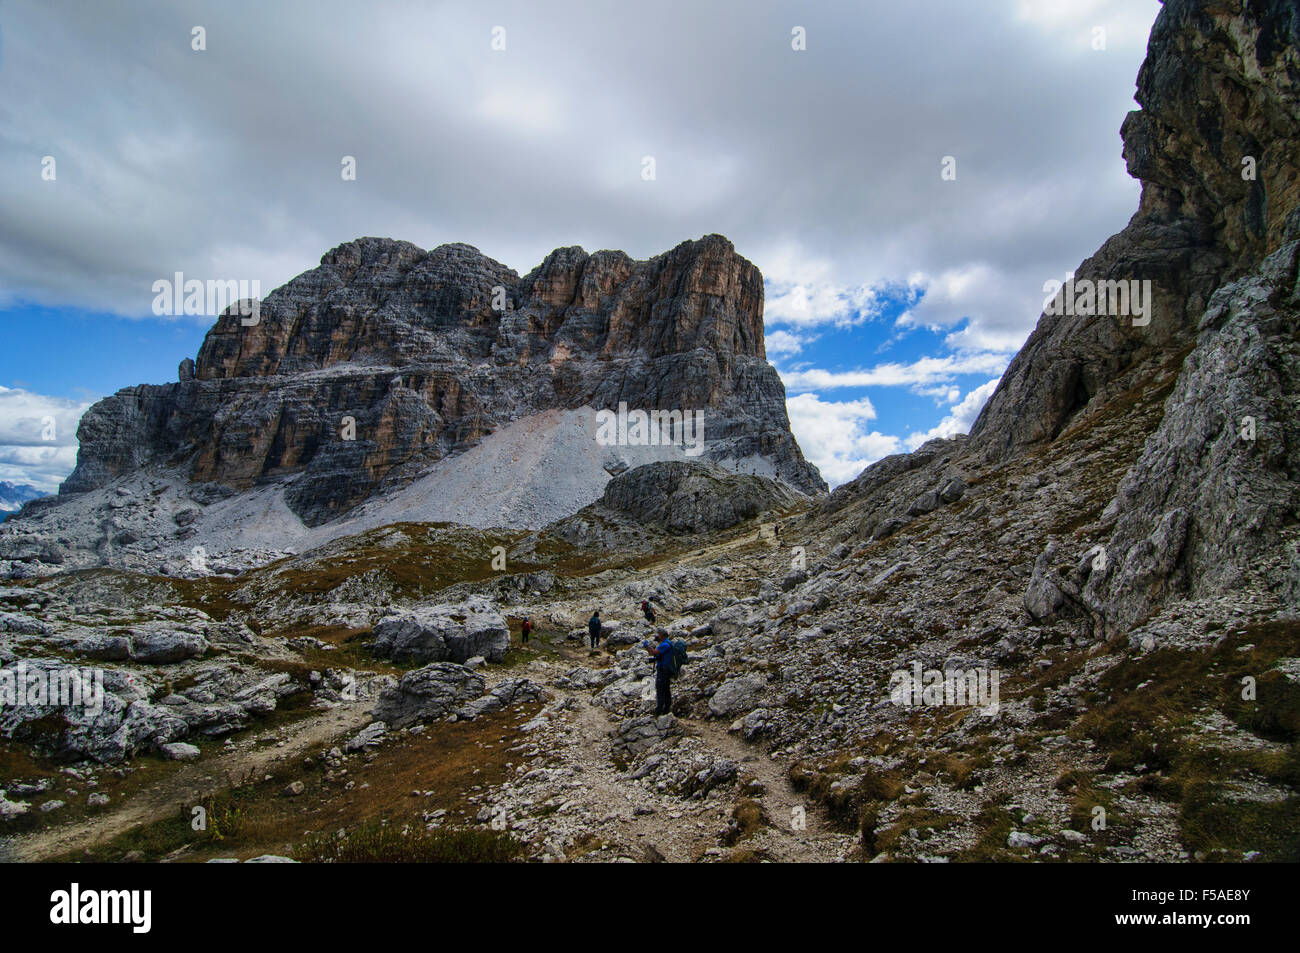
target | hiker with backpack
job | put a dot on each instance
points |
(593, 628)
(526, 629)
(669, 656)
(648, 612)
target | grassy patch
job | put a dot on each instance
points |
(993, 826)
(377, 842)
(1213, 826)
(250, 817)
(1147, 724)
(921, 820)
(846, 798)
(747, 819)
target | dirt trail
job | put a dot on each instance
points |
(192, 782)
(681, 830)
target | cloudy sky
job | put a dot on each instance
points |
(895, 295)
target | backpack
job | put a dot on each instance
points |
(679, 658)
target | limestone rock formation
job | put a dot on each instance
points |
(440, 633)
(1215, 496)
(692, 498)
(402, 350)
(1120, 552)
(1220, 97)
(427, 693)
(674, 498)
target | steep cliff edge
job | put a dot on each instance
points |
(1198, 397)
(1214, 146)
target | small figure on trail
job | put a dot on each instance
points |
(648, 612)
(593, 628)
(665, 669)
(526, 629)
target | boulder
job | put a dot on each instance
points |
(925, 503)
(618, 635)
(792, 579)
(952, 489)
(512, 691)
(12, 808)
(635, 736)
(433, 691)
(1044, 597)
(889, 526)
(367, 737)
(737, 694)
(454, 632)
(682, 497)
(753, 724)
(160, 646)
(105, 648)
(179, 751)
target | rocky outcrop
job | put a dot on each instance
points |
(387, 358)
(635, 736)
(641, 505)
(122, 719)
(427, 693)
(1220, 97)
(736, 695)
(892, 492)
(444, 633)
(512, 691)
(692, 497)
(1216, 492)
(1206, 507)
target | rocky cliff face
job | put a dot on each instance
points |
(1212, 505)
(1214, 147)
(408, 344)
(1204, 509)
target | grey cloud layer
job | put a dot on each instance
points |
(228, 160)
(822, 166)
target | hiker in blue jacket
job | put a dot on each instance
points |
(593, 628)
(663, 656)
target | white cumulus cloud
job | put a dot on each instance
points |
(38, 437)
(921, 374)
(960, 419)
(836, 435)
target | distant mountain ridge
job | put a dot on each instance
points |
(14, 495)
